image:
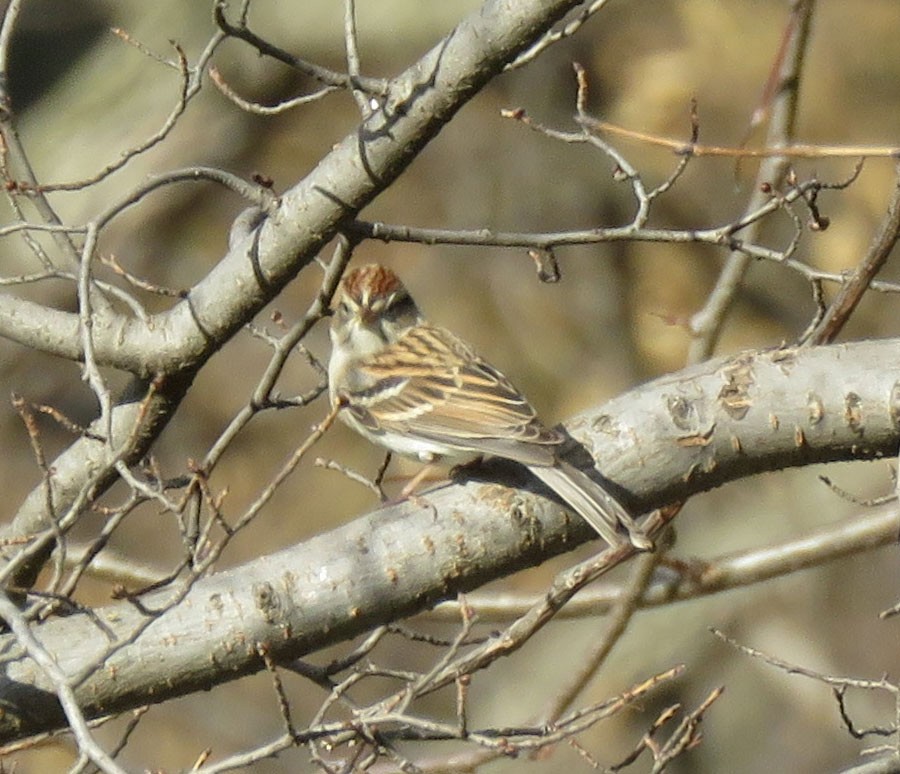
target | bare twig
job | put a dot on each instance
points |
(265, 110)
(262, 393)
(556, 35)
(190, 84)
(852, 291)
(62, 684)
(375, 86)
(733, 236)
(681, 580)
(839, 685)
(351, 47)
(616, 624)
(770, 150)
(706, 325)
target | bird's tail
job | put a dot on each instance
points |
(593, 503)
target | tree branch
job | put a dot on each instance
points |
(175, 344)
(666, 440)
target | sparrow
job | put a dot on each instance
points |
(421, 391)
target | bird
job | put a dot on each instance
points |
(419, 390)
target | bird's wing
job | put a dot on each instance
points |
(432, 385)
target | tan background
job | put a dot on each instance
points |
(613, 321)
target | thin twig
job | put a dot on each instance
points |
(190, 82)
(265, 110)
(375, 86)
(555, 36)
(588, 665)
(790, 150)
(706, 325)
(852, 291)
(351, 48)
(61, 685)
(683, 580)
(262, 393)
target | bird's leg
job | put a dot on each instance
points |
(410, 486)
(379, 477)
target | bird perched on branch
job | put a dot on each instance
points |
(419, 390)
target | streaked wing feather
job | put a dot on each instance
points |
(449, 394)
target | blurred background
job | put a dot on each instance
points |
(614, 320)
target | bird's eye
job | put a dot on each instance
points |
(399, 307)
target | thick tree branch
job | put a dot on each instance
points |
(667, 440)
(176, 343)
(419, 103)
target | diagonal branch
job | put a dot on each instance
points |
(175, 344)
(418, 105)
(851, 293)
(666, 440)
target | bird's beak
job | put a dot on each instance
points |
(368, 316)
